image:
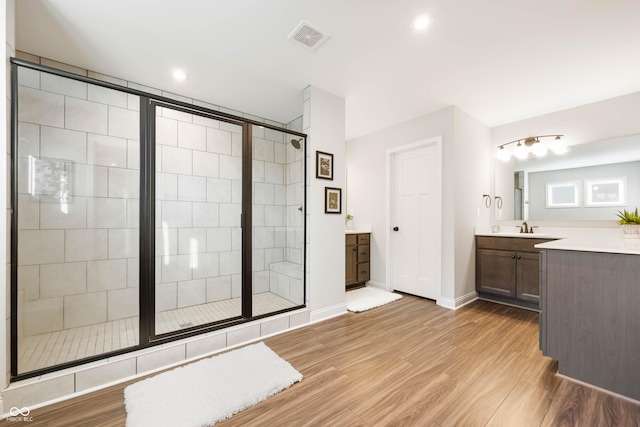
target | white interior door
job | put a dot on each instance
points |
(416, 220)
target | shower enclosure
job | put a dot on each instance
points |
(139, 219)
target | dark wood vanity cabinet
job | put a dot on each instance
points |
(357, 259)
(507, 270)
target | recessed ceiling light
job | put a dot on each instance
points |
(420, 22)
(179, 75)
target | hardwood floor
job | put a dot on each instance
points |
(409, 363)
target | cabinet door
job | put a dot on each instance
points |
(496, 272)
(528, 283)
(351, 265)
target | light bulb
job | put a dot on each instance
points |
(539, 149)
(503, 154)
(520, 152)
(558, 146)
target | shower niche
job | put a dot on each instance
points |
(139, 220)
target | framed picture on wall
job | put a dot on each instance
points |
(332, 200)
(605, 192)
(563, 194)
(324, 165)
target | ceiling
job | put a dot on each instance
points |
(498, 60)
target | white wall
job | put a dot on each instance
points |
(466, 166)
(323, 122)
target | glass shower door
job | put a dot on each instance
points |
(198, 199)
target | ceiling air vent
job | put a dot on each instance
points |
(307, 36)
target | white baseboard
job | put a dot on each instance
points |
(328, 313)
(455, 304)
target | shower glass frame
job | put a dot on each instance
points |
(148, 103)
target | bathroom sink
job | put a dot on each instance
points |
(516, 234)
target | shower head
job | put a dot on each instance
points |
(296, 143)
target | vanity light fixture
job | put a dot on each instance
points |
(531, 144)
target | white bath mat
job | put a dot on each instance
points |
(366, 298)
(210, 390)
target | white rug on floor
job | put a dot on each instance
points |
(210, 390)
(366, 298)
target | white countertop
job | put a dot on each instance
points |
(588, 243)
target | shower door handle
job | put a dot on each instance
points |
(395, 229)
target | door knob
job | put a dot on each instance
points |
(395, 229)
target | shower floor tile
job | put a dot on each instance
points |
(44, 350)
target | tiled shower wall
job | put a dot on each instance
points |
(78, 203)
(88, 253)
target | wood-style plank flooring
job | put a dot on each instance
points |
(409, 363)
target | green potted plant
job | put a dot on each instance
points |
(629, 223)
(348, 221)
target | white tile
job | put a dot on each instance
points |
(60, 280)
(263, 237)
(205, 214)
(218, 239)
(273, 255)
(230, 127)
(42, 316)
(29, 78)
(274, 216)
(176, 268)
(166, 297)
(176, 160)
(190, 293)
(177, 97)
(63, 86)
(63, 144)
(109, 372)
(274, 173)
(206, 345)
(236, 286)
(40, 247)
(243, 334)
(192, 188)
(28, 212)
(105, 95)
(123, 243)
(280, 194)
(236, 239)
(258, 216)
(264, 194)
(296, 291)
(257, 171)
(28, 140)
(230, 214)
(124, 183)
(258, 260)
(176, 115)
(218, 288)
(230, 167)
(236, 191)
(218, 141)
(133, 154)
(133, 102)
(160, 358)
(106, 275)
(236, 145)
(166, 131)
(218, 190)
(273, 135)
(192, 240)
(62, 66)
(124, 123)
(85, 309)
(29, 281)
(193, 137)
(282, 284)
(85, 245)
(176, 214)
(106, 151)
(38, 392)
(299, 319)
(166, 241)
(204, 265)
(264, 150)
(205, 164)
(280, 153)
(85, 116)
(122, 303)
(106, 212)
(133, 272)
(260, 282)
(230, 263)
(40, 107)
(143, 88)
(133, 213)
(89, 181)
(273, 326)
(166, 186)
(106, 78)
(206, 121)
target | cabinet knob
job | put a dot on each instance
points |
(513, 257)
(519, 257)
(395, 229)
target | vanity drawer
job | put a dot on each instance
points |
(363, 272)
(363, 254)
(363, 239)
(524, 244)
(352, 239)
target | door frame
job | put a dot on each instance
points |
(389, 217)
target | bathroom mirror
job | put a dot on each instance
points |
(590, 182)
